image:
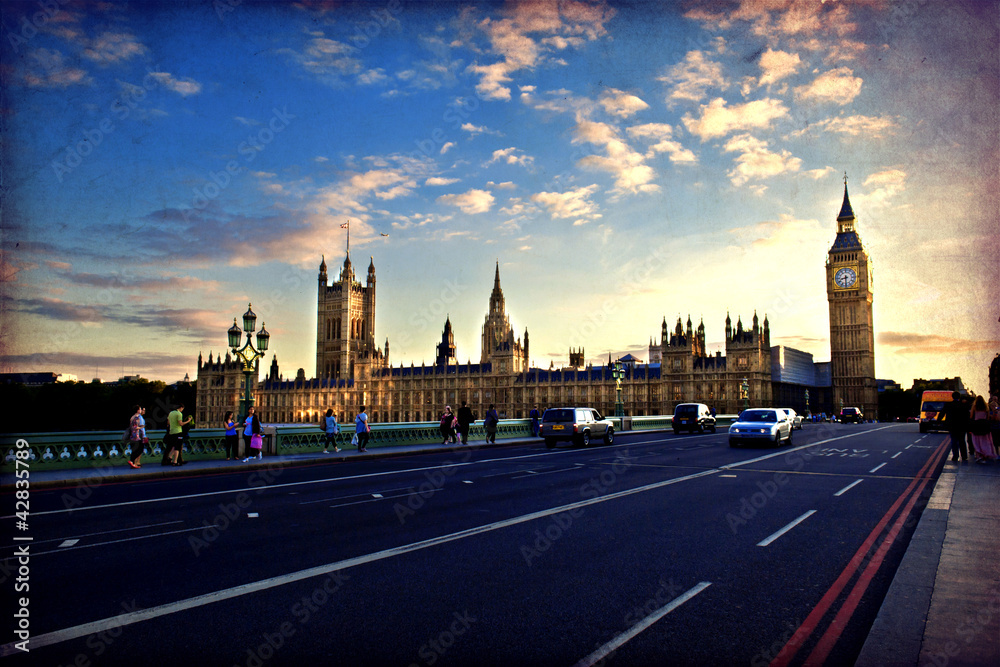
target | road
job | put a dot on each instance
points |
(659, 549)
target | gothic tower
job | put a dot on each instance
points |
(849, 291)
(345, 322)
(499, 346)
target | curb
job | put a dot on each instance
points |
(897, 634)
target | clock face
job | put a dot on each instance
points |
(845, 277)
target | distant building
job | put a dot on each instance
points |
(29, 379)
(942, 384)
(793, 374)
(888, 385)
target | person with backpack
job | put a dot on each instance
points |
(137, 436)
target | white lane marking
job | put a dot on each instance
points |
(621, 639)
(895, 455)
(104, 532)
(881, 465)
(547, 472)
(376, 495)
(258, 488)
(68, 543)
(252, 515)
(467, 481)
(727, 475)
(771, 538)
(847, 488)
(75, 632)
(101, 544)
(354, 495)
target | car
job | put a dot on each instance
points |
(851, 416)
(693, 417)
(796, 418)
(577, 425)
(761, 425)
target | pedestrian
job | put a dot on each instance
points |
(331, 428)
(534, 421)
(252, 436)
(979, 428)
(465, 419)
(173, 442)
(362, 430)
(448, 423)
(137, 436)
(956, 416)
(232, 438)
(994, 408)
(490, 424)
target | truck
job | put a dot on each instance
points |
(932, 403)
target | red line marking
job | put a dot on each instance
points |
(808, 626)
(832, 634)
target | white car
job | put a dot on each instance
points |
(796, 418)
(761, 425)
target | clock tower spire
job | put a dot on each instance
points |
(850, 291)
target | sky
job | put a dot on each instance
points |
(165, 164)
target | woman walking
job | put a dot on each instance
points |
(331, 428)
(490, 423)
(362, 430)
(979, 427)
(137, 436)
(251, 431)
(232, 439)
(448, 423)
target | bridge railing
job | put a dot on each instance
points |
(82, 449)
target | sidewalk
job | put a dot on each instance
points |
(943, 607)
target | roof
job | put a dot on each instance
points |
(845, 210)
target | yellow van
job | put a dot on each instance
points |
(932, 410)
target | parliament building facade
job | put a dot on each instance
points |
(352, 370)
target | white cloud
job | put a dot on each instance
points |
(756, 161)
(438, 180)
(112, 47)
(691, 78)
(48, 69)
(183, 87)
(621, 161)
(777, 65)
(372, 76)
(471, 202)
(718, 120)
(661, 133)
(871, 127)
(447, 147)
(884, 186)
(510, 156)
(476, 130)
(621, 104)
(817, 174)
(570, 204)
(838, 86)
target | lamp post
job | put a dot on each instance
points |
(745, 393)
(618, 373)
(248, 354)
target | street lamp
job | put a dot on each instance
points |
(248, 354)
(745, 393)
(618, 373)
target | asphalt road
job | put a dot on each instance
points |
(660, 549)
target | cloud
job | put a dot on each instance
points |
(509, 155)
(184, 321)
(756, 161)
(885, 185)
(329, 60)
(438, 180)
(662, 133)
(718, 120)
(48, 69)
(931, 344)
(777, 65)
(691, 78)
(112, 47)
(571, 204)
(471, 202)
(183, 87)
(476, 130)
(871, 127)
(628, 166)
(817, 174)
(561, 25)
(621, 104)
(838, 86)
(447, 147)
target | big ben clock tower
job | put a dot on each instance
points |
(849, 290)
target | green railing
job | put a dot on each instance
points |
(51, 451)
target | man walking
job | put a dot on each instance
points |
(956, 418)
(173, 441)
(465, 419)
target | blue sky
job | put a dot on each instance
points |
(165, 164)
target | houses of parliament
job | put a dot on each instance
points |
(353, 370)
